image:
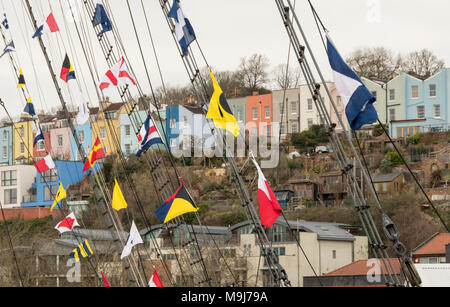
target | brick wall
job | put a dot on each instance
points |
(30, 213)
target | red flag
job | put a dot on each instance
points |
(155, 281)
(45, 164)
(269, 208)
(96, 153)
(105, 281)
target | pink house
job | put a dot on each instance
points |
(60, 140)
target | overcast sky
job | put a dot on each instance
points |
(227, 30)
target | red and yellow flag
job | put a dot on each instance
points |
(96, 153)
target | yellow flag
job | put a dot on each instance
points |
(118, 201)
(220, 112)
(59, 196)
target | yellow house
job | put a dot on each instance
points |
(23, 142)
(108, 119)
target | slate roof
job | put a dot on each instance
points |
(386, 177)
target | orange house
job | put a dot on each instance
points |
(260, 115)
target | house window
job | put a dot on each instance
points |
(334, 254)
(374, 93)
(437, 110)
(392, 94)
(377, 188)
(5, 135)
(384, 187)
(392, 114)
(50, 176)
(415, 91)
(420, 112)
(81, 137)
(294, 128)
(128, 149)
(268, 131)
(173, 123)
(50, 192)
(11, 197)
(239, 115)
(310, 104)
(267, 112)
(255, 113)
(127, 130)
(282, 108)
(282, 251)
(283, 128)
(185, 122)
(173, 143)
(41, 146)
(22, 148)
(102, 133)
(294, 107)
(22, 132)
(9, 178)
(432, 90)
(396, 186)
(60, 140)
(5, 152)
(310, 123)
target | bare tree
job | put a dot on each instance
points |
(375, 63)
(422, 63)
(283, 80)
(253, 72)
(229, 81)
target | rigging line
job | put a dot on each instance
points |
(317, 16)
(194, 232)
(317, 20)
(414, 176)
(58, 90)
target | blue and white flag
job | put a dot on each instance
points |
(148, 136)
(9, 48)
(101, 18)
(183, 28)
(357, 99)
(39, 136)
(5, 22)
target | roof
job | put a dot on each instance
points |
(194, 109)
(213, 230)
(434, 245)
(113, 107)
(299, 181)
(387, 177)
(325, 231)
(361, 268)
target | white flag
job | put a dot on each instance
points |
(83, 113)
(133, 239)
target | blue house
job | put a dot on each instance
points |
(426, 105)
(85, 137)
(185, 124)
(6, 145)
(47, 184)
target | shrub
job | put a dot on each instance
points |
(414, 139)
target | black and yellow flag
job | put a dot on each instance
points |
(21, 80)
(220, 112)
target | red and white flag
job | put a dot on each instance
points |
(105, 281)
(155, 281)
(45, 164)
(118, 75)
(50, 26)
(67, 224)
(269, 208)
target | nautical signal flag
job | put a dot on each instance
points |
(183, 28)
(96, 153)
(148, 136)
(60, 195)
(39, 136)
(180, 203)
(118, 201)
(9, 48)
(133, 239)
(105, 281)
(118, 75)
(50, 26)
(68, 224)
(101, 18)
(45, 164)
(21, 82)
(67, 72)
(29, 107)
(357, 99)
(155, 281)
(82, 251)
(220, 112)
(269, 208)
(5, 22)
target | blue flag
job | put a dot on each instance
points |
(357, 99)
(183, 28)
(101, 18)
(39, 136)
(9, 48)
(5, 22)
